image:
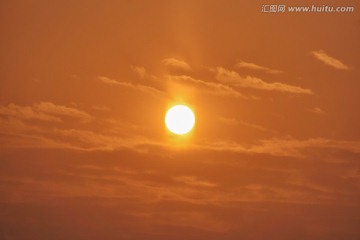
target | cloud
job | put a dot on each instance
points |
(226, 76)
(109, 81)
(176, 64)
(325, 58)
(101, 108)
(15, 133)
(45, 111)
(139, 87)
(50, 108)
(26, 112)
(283, 146)
(140, 71)
(207, 87)
(254, 66)
(193, 181)
(293, 147)
(228, 121)
(91, 141)
(254, 126)
(235, 122)
(317, 110)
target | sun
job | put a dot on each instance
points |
(180, 119)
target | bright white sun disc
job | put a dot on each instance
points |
(179, 119)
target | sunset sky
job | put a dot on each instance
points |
(85, 153)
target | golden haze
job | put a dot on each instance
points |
(85, 153)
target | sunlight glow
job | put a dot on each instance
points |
(180, 119)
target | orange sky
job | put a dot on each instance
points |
(84, 153)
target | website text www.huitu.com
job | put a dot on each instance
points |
(276, 8)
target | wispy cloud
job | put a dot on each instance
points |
(254, 126)
(45, 111)
(101, 108)
(51, 108)
(254, 66)
(139, 87)
(140, 71)
(234, 122)
(15, 133)
(328, 60)
(108, 81)
(193, 181)
(207, 87)
(226, 76)
(176, 64)
(293, 146)
(228, 121)
(26, 112)
(90, 141)
(283, 146)
(27, 134)
(317, 110)
(18, 129)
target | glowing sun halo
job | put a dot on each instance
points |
(179, 119)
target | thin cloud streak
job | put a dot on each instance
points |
(24, 135)
(209, 87)
(26, 112)
(226, 76)
(45, 111)
(317, 110)
(194, 182)
(235, 122)
(176, 64)
(228, 121)
(328, 60)
(51, 108)
(289, 147)
(138, 87)
(254, 66)
(140, 71)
